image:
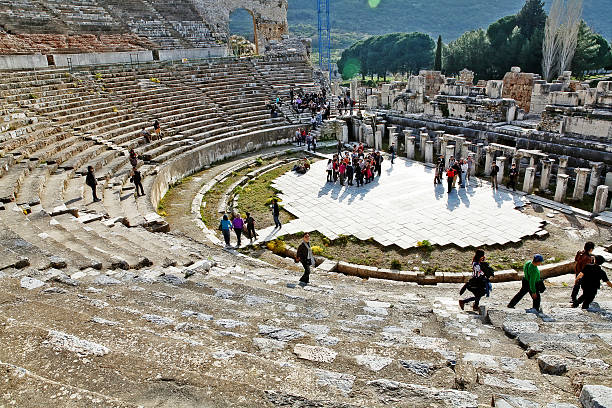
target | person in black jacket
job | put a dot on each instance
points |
(512, 177)
(137, 180)
(589, 279)
(91, 181)
(306, 258)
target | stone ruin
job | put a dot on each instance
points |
(565, 124)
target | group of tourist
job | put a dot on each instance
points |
(458, 171)
(354, 165)
(148, 138)
(315, 103)
(588, 272)
(302, 138)
(345, 105)
(240, 226)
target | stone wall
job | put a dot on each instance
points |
(519, 86)
(195, 160)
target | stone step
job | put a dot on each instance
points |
(12, 218)
(32, 186)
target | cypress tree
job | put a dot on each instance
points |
(438, 61)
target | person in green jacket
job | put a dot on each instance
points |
(531, 276)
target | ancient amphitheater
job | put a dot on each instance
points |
(109, 303)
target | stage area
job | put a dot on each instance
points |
(402, 207)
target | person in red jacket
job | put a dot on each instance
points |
(583, 258)
(450, 176)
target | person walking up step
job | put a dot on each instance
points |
(582, 259)
(590, 279)
(305, 256)
(531, 283)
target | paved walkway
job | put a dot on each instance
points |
(402, 207)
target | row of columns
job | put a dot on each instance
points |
(461, 148)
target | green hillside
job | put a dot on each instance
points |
(351, 19)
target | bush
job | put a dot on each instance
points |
(425, 245)
(395, 264)
(98, 76)
(259, 161)
(317, 250)
(277, 246)
(155, 80)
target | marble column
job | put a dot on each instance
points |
(450, 151)
(595, 175)
(394, 140)
(501, 163)
(345, 134)
(369, 136)
(546, 173)
(490, 152)
(529, 179)
(562, 165)
(581, 178)
(562, 180)
(601, 199)
(378, 140)
(410, 147)
(391, 131)
(465, 150)
(443, 143)
(429, 147)
(478, 156)
(459, 147)
(423, 138)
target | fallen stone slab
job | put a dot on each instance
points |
(279, 333)
(596, 396)
(62, 341)
(268, 345)
(57, 262)
(30, 283)
(373, 362)
(515, 328)
(341, 381)
(421, 368)
(314, 353)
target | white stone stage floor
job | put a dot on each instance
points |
(402, 207)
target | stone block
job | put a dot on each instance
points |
(596, 396)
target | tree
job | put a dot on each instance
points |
(591, 51)
(472, 51)
(551, 43)
(531, 18)
(569, 33)
(438, 61)
(389, 53)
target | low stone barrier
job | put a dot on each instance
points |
(97, 58)
(205, 155)
(23, 61)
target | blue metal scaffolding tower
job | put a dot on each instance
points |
(324, 26)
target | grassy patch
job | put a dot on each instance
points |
(426, 257)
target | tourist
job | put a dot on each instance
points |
(146, 135)
(276, 213)
(305, 256)
(494, 171)
(308, 141)
(477, 283)
(582, 259)
(342, 172)
(335, 166)
(470, 162)
(512, 177)
(368, 173)
(457, 169)
(250, 223)
(359, 173)
(133, 158)
(590, 279)
(298, 137)
(378, 159)
(90, 180)
(392, 151)
(238, 225)
(531, 283)
(349, 173)
(157, 129)
(450, 176)
(464, 172)
(314, 144)
(439, 171)
(136, 178)
(225, 226)
(339, 147)
(330, 171)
